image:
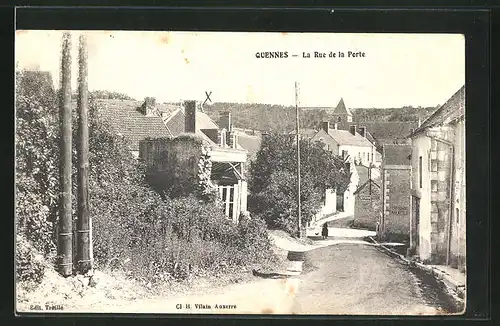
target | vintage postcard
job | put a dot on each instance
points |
(240, 173)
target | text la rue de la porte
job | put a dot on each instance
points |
(332, 54)
(308, 55)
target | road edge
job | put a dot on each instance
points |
(453, 290)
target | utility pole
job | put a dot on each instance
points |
(65, 232)
(298, 159)
(83, 225)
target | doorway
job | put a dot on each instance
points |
(416, 221)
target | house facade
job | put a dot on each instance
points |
(438, 215)
(352, 143)
(368, 198)
(227, 157)
(396, 180)
(133, 120)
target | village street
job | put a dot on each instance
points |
(354, 278)
(341, 275)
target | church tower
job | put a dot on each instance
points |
(342, 116)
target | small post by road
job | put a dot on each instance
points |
(298, 159)
(65, 227)
(83, 223)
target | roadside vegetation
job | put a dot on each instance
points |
(148, 237)
(272, 184)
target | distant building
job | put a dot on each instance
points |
(133, 120)
(344, 143)
(368, 198)
(396, 175)
(228, 157)
(342, 116)
(438, 185)
(387, 133)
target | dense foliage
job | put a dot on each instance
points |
(272, 184)
(280, 118)
(134, 228)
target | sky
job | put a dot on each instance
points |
(397, 69)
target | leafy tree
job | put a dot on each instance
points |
(272, 184)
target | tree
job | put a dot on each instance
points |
(272, 183)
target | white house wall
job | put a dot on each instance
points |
(421, 147)
(353, 151)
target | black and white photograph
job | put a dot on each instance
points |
(269, 173)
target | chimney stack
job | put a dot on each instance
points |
(148, 107)
(362, 131)
(325, 125)
(352, 129)
(232, 139)
(225, 121)
(190, 116)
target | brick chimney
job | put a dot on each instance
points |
(190, 116)
(222, 137)
(352, 129)
(148, 107)
(362, 131)
(325, 125)
(232, 141)
(225, 121)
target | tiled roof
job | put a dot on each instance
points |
(362, 173)
(388, 130)
(175, 123)
(341, 108)
(396, 154)
(123, 117)
(249, 143)
(367, 182)
(344, 137)
(369, 137)
(453, 109)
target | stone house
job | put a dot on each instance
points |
(438, 215)
(227, 156)
(134, 120)
(352, 143)
(395, 174)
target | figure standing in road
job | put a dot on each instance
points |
(324, 231)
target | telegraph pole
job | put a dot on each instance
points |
(65, 232)
(298, 158)
(83, 225)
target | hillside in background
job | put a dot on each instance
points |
(282, 118)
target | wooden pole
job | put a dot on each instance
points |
(83, 225)
(298, 160)
(65, 234)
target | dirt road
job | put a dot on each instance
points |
(357, 279)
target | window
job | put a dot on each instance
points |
(420, 171)
(372, 158)
(434, 185)
(434, 165)
(344, 154)
(339, 119)
(458, 215)
(227, 195)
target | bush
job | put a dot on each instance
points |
(36, 160)
(134, 228)
(272, 184)
(254, 242)
(29, 269)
